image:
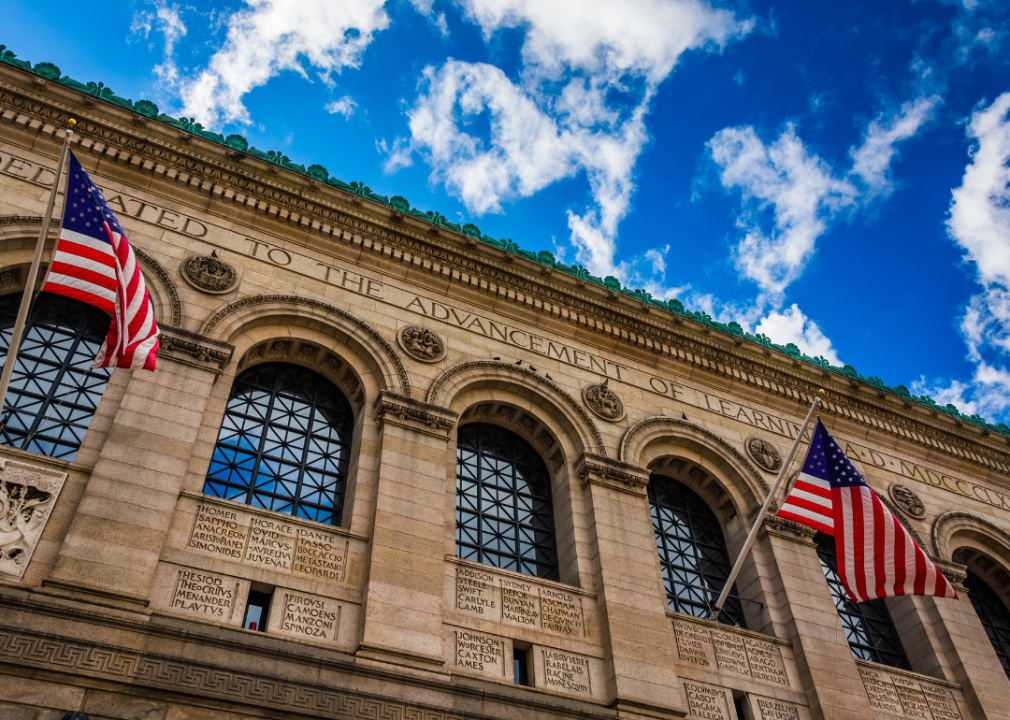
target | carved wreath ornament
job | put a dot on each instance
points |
(603, 401)
(905, 498)
(421, 344)
(764, 454)
(209, 273)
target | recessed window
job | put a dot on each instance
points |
(284, 443)
(504, 514)
(691, 550)
(868, 625)
(520, 667)
(256, 609)
(993, 615)
(54, 391)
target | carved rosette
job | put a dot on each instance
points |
(906, 499)
(764, 454)
(603, 401)
(209, 274)
(28, 494)
(421, 344)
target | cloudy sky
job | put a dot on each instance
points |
(830, 174)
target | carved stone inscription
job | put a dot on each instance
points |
(478, 653)
(475, 592)
(706, 702)
(776, 710)
(731, 653)
(908, 697)
(269, 543)
(694, 644)
(561, 612)
(205, 594)
(519, 604)
(304, 616)
(566, 673)
(765, 661)
(27, 496)
(753, 657)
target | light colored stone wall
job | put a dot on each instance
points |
(132, 603)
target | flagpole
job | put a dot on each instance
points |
(752, 536)
(33, 273)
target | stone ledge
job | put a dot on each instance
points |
(598, 470)
(414, 414)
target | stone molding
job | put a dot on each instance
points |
(788, 529)
(956, 573)
(166, 281)
(384, 347)
(313, 356)
(488, 368)
(109, 129)
(610, 473)
(961, 520)
(413, 414)
(194, 349)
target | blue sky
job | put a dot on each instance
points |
(830, 174)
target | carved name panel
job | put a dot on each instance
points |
(304, 616)
(768, 709)
(476, 653)
(908, 697)
(730, 652)
(200, 594)
(706, 702)
(568, 673)
(269, 543)
(28, 494)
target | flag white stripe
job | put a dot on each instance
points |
(84, 263)
(889, 551)
(86, 241)
(869, 533)
(810, 497)
(910, 550)
(82, 285)
(803, 512)
(816, 481)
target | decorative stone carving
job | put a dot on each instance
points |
(617, 475)
(10, 280)
(764, 454)
(421, 344)
(27, 496)
(209, 273)
(414, 414)
(906, 499)
(603, 401)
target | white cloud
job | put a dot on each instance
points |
(558, 118)
(344, 106)
(792, 326)
(166, 19)
(268, 37)
(790, 196)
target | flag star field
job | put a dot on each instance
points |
(833, 175)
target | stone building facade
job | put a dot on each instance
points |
(389, 470)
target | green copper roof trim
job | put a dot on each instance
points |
(401, 204)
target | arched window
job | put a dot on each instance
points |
(53, 392)
(504, 514)
(284, 443)
(692, 551)
(868, 625)
(993, 615)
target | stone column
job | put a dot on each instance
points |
(115, 539)
(403, 608)
(807, 617)
(636, 633)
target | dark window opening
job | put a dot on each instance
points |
(692, 551)
(54, 392)
(868, 625)
(284, 443)
(993, 615)
(738, 705)
(520, 668)
(504, 512)
(256, 609)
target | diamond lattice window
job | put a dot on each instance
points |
(284, 443)
(692, 551)
(868, 625)
(504, 515)
(993, 615)
(54, 391)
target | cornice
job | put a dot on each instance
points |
(611, 473)
(414, 414)
(206, 167)
(192, 349)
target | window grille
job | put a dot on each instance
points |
(868, 625)
(993, 615)
(504, 514)
(692, 551)
(284, 443)
(54, 392)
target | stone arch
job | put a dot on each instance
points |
(493, 374)
(648, 442)
(956, 529)
(259, 310)
(162, 290)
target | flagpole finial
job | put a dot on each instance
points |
(820, 393)
(72, 122)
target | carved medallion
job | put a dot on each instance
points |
(764, 454)
(209, 273)
(603, 401)
(421, 344)
(906, 499)
(27, 496)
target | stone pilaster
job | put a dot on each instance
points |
(632, 602)
(116, 537)
(403, 606)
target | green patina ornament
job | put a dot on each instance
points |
(400, 203)
(6, 56)
(546, 258)
(146, 108)
(237, 142)
(47, 70)
(318, 172)
(471, 230)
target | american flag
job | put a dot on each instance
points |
(94, 263)
(876, 555)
